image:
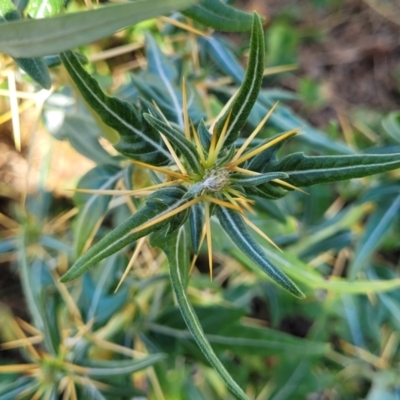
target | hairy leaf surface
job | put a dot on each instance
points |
(220, 16)
(178, 141)
(307, 171)
(236, 229)
(255, 180)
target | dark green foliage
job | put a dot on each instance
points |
(119, 115)
(244, 101)
(220, 16)
(236, 229)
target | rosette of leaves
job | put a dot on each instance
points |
(202, 171)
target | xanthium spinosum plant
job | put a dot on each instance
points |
(208, 172)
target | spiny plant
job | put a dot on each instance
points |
(61, 346)
(200, 172)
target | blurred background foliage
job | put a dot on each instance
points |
(339, 64)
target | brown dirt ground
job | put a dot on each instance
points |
(358, 62)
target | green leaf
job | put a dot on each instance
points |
(196, 219)
(307, 171)
(255, 180)
(32, 38)
(272, 208)
(94, 300)
(224, 328)
(377, 226)
(177, 254)
(178, 141)
(157, 204)
(86, 144)
(282, 118)
(223, 58)
(161, 67)
(268, 190)
(300, 271)
(120, 367)
(14, 389)
(32, 301)
(285, 119)
(258, 162)
(220, 16)
(204, 135)
(119, 115)
(236, 229)
(344, 220)
(35, 67)
(92, 207)
(152, 87)
(240, 109)
(391, 124)
(44, 8)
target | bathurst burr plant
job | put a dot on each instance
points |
(201, 171)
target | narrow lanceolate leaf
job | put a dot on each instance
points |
(391, 124)
(35, 67)
(240, 109)
(119, 115)
(307, 171)
(235, 227)
(178, 258)
(178, 141)
(120, 367)
(218, 15)
(378, 225)
(88, 144)
(255, 180)
(204, 136)
(223, 58)
(156, 205)
(196, 220)
(33, 38)
(44, 8)
(13, 390)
